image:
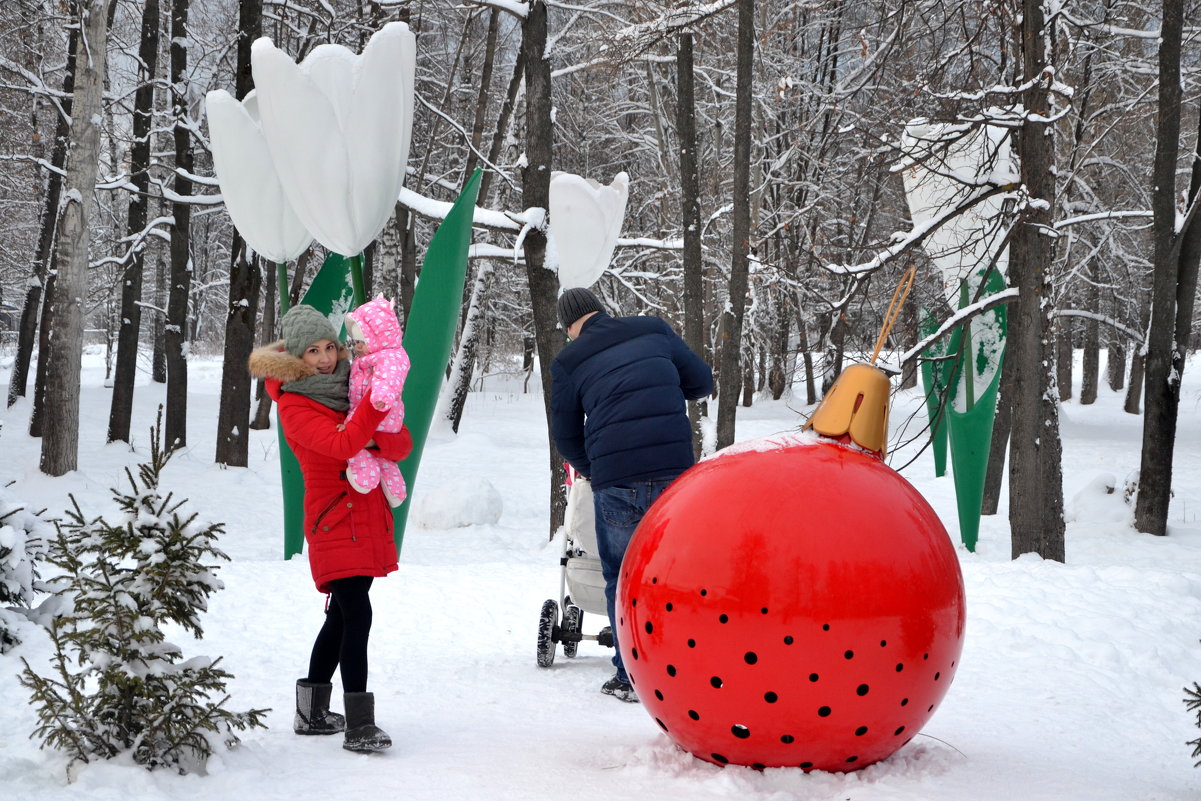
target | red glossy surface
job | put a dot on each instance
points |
(801, 607)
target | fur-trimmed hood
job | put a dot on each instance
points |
(272, 361)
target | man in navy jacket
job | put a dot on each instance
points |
(619, 417)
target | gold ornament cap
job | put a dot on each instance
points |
(856, 407)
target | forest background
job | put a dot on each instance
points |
(767, 218)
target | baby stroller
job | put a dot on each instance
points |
(581, 585)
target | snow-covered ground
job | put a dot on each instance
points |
(1069, 687)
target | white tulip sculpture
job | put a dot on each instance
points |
(338, 127)
(585, 221)
(249, 183)
(948, 166)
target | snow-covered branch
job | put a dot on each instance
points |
(1103, 215)
(1136, 336)
(959, 318)
(517, 8)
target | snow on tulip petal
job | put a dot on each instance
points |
(341, 124)
(947, 164)
(249, 183)
(585, 221)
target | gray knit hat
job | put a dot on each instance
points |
(575, 303)
(302, 326)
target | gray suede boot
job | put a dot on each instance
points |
(312, 709)
(362, 734)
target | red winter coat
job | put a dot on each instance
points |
(348, 533)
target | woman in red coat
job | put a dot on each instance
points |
(349, 535)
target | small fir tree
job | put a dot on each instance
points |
(23, 538)
(1192, 701)
(117, 685)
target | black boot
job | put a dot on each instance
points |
(362, 734)
(312, 709)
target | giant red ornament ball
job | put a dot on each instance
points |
(798, 606)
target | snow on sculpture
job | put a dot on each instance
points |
(249, 182)
(585, 221)
(338, 127)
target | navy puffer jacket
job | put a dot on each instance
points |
(618, 400)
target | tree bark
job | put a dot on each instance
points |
(40, 269)
(245, 282)
(999, 446)
(1090, 375)
(1174, 286)
(174, 337)
(159, 358)
(262, 415)
(60, 443)
(535, 176)
(1035, 452)
(1064, 353)
(464, 363)
(130, 325)
(690, 214)
(732, 316)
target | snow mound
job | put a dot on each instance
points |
(458, 505)
(1102, 500)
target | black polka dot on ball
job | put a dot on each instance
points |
(692, 713)
(787, 739)
(716, 682)
(662, 725)
(898, 731)
(824, 711)
(750, 657)
(770, 697)
(904, 702)
(691, 643)
(849, 655)
(671, 670)
(825, 627)
(720, 758)
(900, 667)
(724, 618)
(806, 765)
(740, 731)
(633, 602)
(853, 759)
(659, 695)
(862, 730)
(668, 607)
(862, 689)
(788, 640)
(650, 627)
(813, 677)
(634, 653)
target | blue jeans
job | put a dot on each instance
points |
(619, 510)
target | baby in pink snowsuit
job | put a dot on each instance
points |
(380, 365)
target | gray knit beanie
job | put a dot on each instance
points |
(302, 326)
(575, 303)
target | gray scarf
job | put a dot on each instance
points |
(332, 390)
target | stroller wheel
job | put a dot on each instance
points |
(546, 633)
(573, 623)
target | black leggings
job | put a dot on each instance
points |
(342, 640)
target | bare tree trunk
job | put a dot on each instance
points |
(159, 359)
(909, 337)
(1115, 363)
(1064, 354)
(1174, 287)
(481, 100)
(502, 123)
(60, 443)
(1035, 460)
(49, 225)
(464, 363)
(130, 324)
(690, 213)
(245, 283)
(732, 316)
(999, 447)
(262, 415)
(174, 337)
(1090, 375)
(536, 194)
